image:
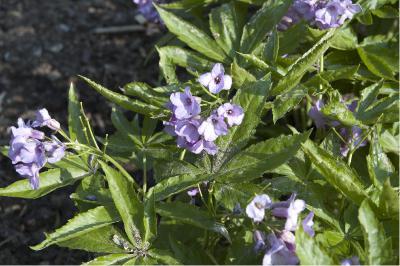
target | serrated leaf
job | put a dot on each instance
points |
(336, 172)
(49, 180)
(368, 96)
(284, 103)
(226, 25)
(193, 215)
(301, 66)
(339, 111)
(389, 201)
(251, 98)
(149, 218)
(144, 92)
(379, 248)
(271, 50)
(240, 76)
(79, 225)
(164, 257)
(168, 168)
(127, 203)
(74, 112)
(230, 194)
(192, 36)
(261, 157)
(261, 23)
(111, 259)
(310, 252)
(122, 100)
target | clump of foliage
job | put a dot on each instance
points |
(273, 138)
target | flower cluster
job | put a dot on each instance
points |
(28, 150)
(322, 13)
(282, 245)
(194, 133)
(147, 10)
(352, 136)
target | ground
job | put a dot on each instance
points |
(43, 46)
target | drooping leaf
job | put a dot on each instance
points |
(378, 246)
(192, 36)
(192, 215)
(81, 224)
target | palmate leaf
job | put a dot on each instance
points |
(127, 203)
(49, 180)
(81, 224)
(378, 246)
(260, 24)
(336, 172)
(261, 157)
(226, 25)
(192, 36)
(301, 66)
(193, 215)
(251, 98)
(310, 252)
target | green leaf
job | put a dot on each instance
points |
(193, 215)
(260, 24)
(127, 203)
(167, 67)
(368, 96)
(380, 58)
(230, 194)
(122, 100)
(163, 257)
(379, 248)
(240, 76)
(176, 184)
(81, 224)
(284, 103)
(345, 39)
(379, 107)
(149, 218)
(169, 168)
(251, 98)
(111, 259)
(130, 130)
(389, 201)
(226, 24)
(336, 172)
(338, 111)
(144, 92)
(261, 157)
(379, 166)
(271, 50)
(310, 252)
(49, 180)
(192, 36)
(104, 239)
(301, 66)
(74, 112)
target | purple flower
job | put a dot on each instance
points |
(256, 208)
(306, 8)
(308, 223)
(279, 254)
(289, 239)
(55, 150)
(44, 119)
(353, 138)
(290, 210)
(184, 104)
(188, 129)
(259, 241)
(351, 261)
(198, 146)
(146, 8)
(27, 151)
(233, 113)
(316, 114)
(216, 80)
(25, 130)
(30, 171)
(335, 12)
(213, 127)
(193, 192)
(350, 10)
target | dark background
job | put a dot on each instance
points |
(44, 44)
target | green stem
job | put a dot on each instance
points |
(144, 174)
(209, 93)
(321, 69)
(182, 156)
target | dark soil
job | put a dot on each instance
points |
(43, 46)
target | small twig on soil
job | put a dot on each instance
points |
(119, 29)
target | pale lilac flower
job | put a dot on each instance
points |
(198, 146)
(188, 129)
(289, 239)
(308, 224)
(27, 151)
(55, 150)
(259, 241)
(290, 210)
(30, 171)
(44, 119)
(213, 127)
(256, 208)
(329, 15)
(316, 114)
(306, 8)
(146, 8)
(233, 113)
(216, 80)
(169, 126)
(351, 261)
(25, 130)
(185, 105)
(193, 192)
(350, 10)
(279, 254)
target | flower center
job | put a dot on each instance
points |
(259, 205)
(217, 79)
(188, 101)
(229, 112)
(214, 121)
